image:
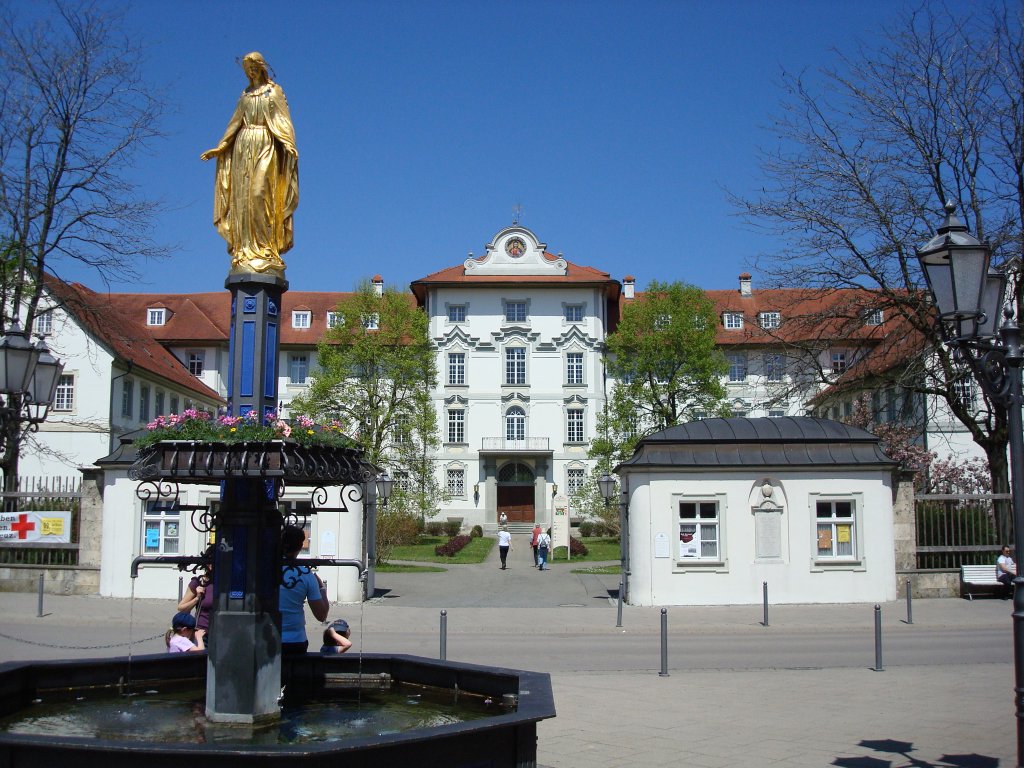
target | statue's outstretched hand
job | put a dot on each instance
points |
(209, 153)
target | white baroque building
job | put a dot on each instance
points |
(520, 334)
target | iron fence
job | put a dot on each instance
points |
(34, 494)
(955, 530)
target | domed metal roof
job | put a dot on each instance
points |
(791, 441)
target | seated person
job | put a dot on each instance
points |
(336, 638)
(1006, 569)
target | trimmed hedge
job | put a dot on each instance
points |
(452, 546)
(577, 547)
(477, 532)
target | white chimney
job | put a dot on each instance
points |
(745, 284)
(378, 285)
(628, 284)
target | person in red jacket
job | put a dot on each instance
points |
(533, 542)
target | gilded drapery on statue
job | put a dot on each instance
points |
(257, 186)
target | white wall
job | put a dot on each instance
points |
(796, 577)
(123, 538)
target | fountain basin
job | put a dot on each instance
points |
(507, 739)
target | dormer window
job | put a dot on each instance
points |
(770, 320)
(301, 318)
(335, 319)
(156, 316)
(732, 320)
(371, 321)
(873, 317)
(661, 322)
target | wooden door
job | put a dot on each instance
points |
(516, 501)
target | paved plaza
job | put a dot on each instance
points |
(800, 692)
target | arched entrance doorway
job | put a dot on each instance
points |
(515, 492)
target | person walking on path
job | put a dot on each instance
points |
(533, 541)
(504, 545)
(543, 547)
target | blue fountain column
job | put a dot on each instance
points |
(244, 668)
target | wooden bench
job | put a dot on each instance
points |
(978, 580)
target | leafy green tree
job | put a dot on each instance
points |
(665, 367)
(376, 371)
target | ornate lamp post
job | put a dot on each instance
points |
(607, 485)
(970, 302)
(28, 382)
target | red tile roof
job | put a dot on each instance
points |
(125, 337)
(575, 274)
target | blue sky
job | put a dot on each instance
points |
(616, 126)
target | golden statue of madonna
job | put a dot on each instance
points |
(257, 187)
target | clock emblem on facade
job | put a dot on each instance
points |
(515, 247)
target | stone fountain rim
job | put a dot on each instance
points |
(535, 703)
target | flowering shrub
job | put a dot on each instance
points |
(452, 546)
(200, 425)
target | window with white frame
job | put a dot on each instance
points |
(301, 318)
(143, 402)
(838, 361)
(836, 529)
(770, 320)
(455, 479)
(574, 313)
(158, 407)
(574, 368)
(515, 311)
(403, 429)
(699, 530)
(127, 398)
(335, 319)
(515, 423)
(371, 322)
(661, 322)
(403, 481)
(456, 313)
(732, 320)
(774, 366)
(963, 391)
(873, 317)
(456, 425)
(574, 432)
(156, 316)
(298, 369)
(196, 362)
(515, 365)
(456, 368)
(575, 478)
(737, 366)
(161, 528)
(64, 398)
(43, 324)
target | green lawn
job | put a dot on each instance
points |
(600, 549)
(405, 568)
(423, 552)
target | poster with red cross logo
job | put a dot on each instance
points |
(35, 527)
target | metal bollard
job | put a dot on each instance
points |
(910, 607)
(444, 636)
(181, 588)
(40, 614)
(764, 591)
(664, 643)
(878, 640)
(622, 588)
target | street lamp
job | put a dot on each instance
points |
(607, 485)
(970, 301)
(384, 487)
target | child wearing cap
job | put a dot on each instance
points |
(180, 636)
(336, 638)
